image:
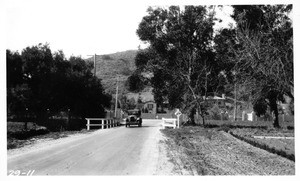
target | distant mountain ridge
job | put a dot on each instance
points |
(110, 66)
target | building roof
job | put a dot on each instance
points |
(148, 102)
(145, 96)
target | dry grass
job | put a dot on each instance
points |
(211, 151)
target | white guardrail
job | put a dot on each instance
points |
(104, 122)
(169, 122)
(172, 122)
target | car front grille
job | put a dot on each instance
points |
(132, 119)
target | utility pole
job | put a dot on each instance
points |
(235, 102)
(94, 63)
(117, 96)
(234, 114)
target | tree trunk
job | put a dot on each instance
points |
(273, 105)
(68, 120)
(192, 118)
(25, 125)
(203, 118)
(26, 120)
(201, 114)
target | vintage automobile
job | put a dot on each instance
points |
(134, 118)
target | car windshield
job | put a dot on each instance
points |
(133, 113)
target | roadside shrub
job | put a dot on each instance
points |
(16, 130)
(224, 128)
(11, 145)
(22, 135)
(216, 113)
(62, 124)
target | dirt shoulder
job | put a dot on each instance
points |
(44, 141)
(209, 151)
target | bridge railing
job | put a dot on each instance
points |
(109, 123)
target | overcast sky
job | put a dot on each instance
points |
(81, 27)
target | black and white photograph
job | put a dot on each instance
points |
(149, 88)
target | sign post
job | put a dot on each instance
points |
(178, 114)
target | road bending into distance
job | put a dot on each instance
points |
(115, 151)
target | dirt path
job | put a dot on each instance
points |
(212, 152)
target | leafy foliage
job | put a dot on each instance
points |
(260, 53)
(135, 83)
(180, 57)
(44, 84)
(264, 57)
(260, 107)
(127, 104)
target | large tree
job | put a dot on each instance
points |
(17, 92)
(42, 83)
(38, 62)
(180, 56)
(262, 52)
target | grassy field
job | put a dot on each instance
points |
(282, 147)
(246, 130)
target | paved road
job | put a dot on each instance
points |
(115, 151)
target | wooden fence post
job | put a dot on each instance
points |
(105, 123)
(88, 124)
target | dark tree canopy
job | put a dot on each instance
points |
(135, 82)
(42, 83)
(14, 70)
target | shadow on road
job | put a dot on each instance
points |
(141, 127)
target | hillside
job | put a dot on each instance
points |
(109, 66)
